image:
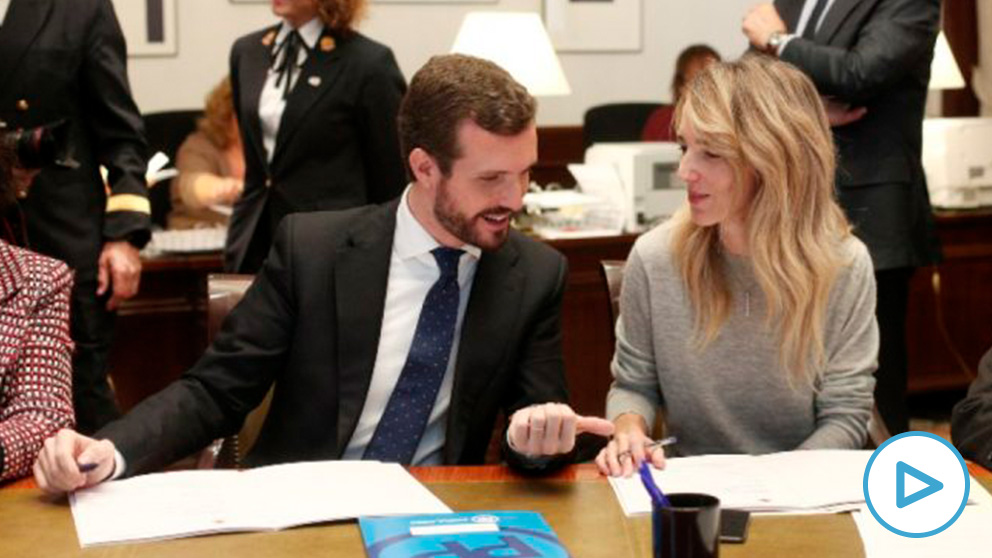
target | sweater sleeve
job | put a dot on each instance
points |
(635, 387)
(844, 398)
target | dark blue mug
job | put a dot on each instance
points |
(688, 528)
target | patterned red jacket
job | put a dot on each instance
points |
(35, 356)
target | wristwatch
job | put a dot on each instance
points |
(776, 40)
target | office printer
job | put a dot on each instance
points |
(646, 187)
(957, 158)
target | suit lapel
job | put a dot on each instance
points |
(789, 11)
(835, 17)
(21, 25)
(316, 78)
(491, 313)
(361, 274)
(254, 71)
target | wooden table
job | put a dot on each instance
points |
(578, 503)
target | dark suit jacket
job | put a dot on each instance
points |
(65, 59)
(876, 54)
(337, 145)
(310, 323)
(971, 422)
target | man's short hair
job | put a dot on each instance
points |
(454, 87)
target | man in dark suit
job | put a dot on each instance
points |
(971, 422)
(333, 317)
(65, 60)
(320, 136)
(870, 59)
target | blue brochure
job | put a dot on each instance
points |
(485, 534)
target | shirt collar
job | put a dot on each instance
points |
(4, 6)
(310, 32)
(412, 239)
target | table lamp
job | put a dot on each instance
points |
(517, 42)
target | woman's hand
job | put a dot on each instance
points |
(628, 448)
(227, 191)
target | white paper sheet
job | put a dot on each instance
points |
(970, 535)
(778, 482)
(187, 503)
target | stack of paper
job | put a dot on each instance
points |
(186, 503)
(188, 241)
(821, 481)
(799, 482)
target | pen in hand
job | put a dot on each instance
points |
(87, 467)
(664, 442)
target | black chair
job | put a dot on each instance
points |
(616, 122)
(165, 132)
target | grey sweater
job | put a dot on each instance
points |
(734, 396)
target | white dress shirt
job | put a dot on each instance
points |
(804, 21)
(271, 104)
(412, 272)
(4, 4)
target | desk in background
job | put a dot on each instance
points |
(578, 504)
(162, 332)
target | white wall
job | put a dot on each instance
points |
(207, 28)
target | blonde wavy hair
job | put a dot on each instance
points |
(766, 119)
(341, 15)
(218, 113)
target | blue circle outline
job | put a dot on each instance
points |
(964, 501)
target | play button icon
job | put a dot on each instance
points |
(932, 484)
(901, 485)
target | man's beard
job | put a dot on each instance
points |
(463, 226)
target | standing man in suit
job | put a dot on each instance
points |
(316, 101)
(393, 332)
(870, 60)
(66, 60)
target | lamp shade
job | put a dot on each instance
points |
(944, 71)
(517, 42)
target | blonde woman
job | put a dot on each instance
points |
(749, 316)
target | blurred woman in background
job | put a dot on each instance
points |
(211, 165)
(658, 126)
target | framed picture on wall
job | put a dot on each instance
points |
(149, 26)
(594, 25)
(434, 1)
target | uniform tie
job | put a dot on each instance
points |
(814, 19)
(288, 63)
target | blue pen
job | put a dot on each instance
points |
(657, 496)
(87, 467)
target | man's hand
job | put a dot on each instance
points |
(70, 461)
(841, 114)
(759, 24)
(628, 448)
(120, 271)
(23, 178)
(550, 429)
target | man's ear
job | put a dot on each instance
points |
(425, 168)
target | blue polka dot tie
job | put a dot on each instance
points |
(402, 424)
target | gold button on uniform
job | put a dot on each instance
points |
(268, 182)
(22, 105)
